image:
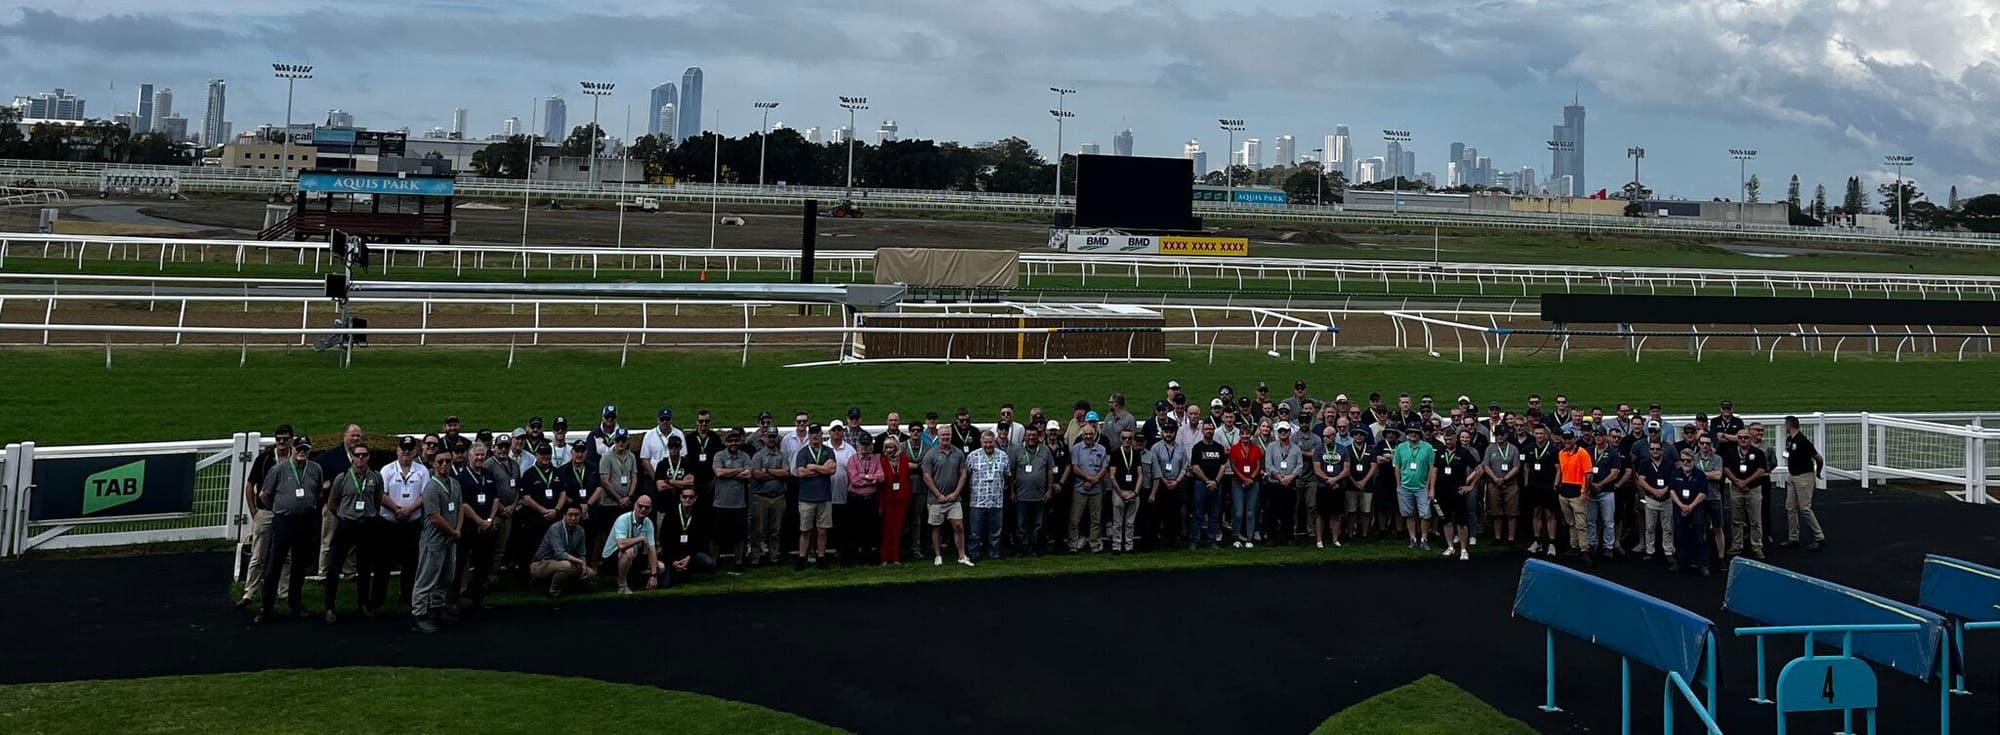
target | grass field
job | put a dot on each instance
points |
(1427, 706)
(399, 700)
(69, 396)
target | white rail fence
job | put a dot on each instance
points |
(1950, 449)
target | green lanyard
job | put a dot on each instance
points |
(815, 454)
(294, 467)
(577, 471)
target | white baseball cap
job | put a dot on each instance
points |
(1214, 403)
(1055, 425)
(1174, 384)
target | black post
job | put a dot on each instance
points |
(808, 235)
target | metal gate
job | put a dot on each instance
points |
(221, 469)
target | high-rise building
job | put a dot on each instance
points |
(812, 135)
(670, 120)
(52, 105)
(1573, 119)
(555, 119)
(1482, 171)
(128, 119)
(175, 127)
(1193, 152)
(1369, 171)
(510, 126)
(163, 105)
(841, 134)
(688, 122)
(145, 110)
(1408, 168)
(1457, 154)
(1392, 161)
(1524, 180)
(1452, 176)
(214, 129)
(1251, 154)
(458, 123)
(1287, 150)
(1088, 149)
(338, 118)
(886, 133)
(1121, 144)
(663, 94)
(1342, 149)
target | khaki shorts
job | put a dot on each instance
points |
(1360, 501)
(944, 512)
(1504, 500)
(816, 515)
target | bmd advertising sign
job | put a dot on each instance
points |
(1159, 245)
(92, 488)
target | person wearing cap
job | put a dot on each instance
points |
(532, 439)
(1090, 466)
(561, 445)
(402, 521)
(944, 475)
(1688, 492)
(673, 473)
(814, 467)
(702, 445)
(1385, 481)
(541, 505)
(653, 448)
(331, 463)
(600, 435)
(841, 540)
(1416, 482)
(1501, 465)
(1149, 430)
(1284, 464)
(577, 478)
(1573, 470)
(473, 560)
(1174, 390)
(260, 515)
(1056, 505)
(1459, 472)
(1668, 432)
(450, 436)
(1126, 479)
(1726, 425)
(617, 483)
(1607, 471)
(893, 498)
(1747, 473)
(291, 489)
(1163, 513)
(1358, 495)
(730, 506)
(1328, 465)
(503, 472)
(769, 470)
(1208, 461)
(559, 554)
(355, 500)
(437, 546)
(1653, 473)
(1803, 464)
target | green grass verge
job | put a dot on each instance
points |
(1427, 706)
(402, 700)
(69, 396)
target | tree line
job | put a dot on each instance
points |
(89, 141)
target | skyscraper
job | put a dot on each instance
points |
(163, 106)
(1457, 154)
(1408, 168)
(1482, 171)
(664, 93)
(214, 130)
(458, 123)
(1088, 149)
(886, 133)
(1121, 144)
(670, 121)
(510, 126)
(841, 134)
(555, 119)
(1392, 161)
(1573, 119)
(1251, 154)
(1193, 152)
(145, 116)
(812, 135)
(1452, 174)
(52, 105)
(1287, 150)
(1369, 171)
(1342, 150)
(689, 109)
(338, 118)
(1525, 180)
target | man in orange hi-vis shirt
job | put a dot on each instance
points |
(1575, 466)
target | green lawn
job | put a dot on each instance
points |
(398, 700)
(1427, 706)
(69, 396)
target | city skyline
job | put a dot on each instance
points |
(1895, 84)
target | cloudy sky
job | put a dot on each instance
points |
(1821, 88)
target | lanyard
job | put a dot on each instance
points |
(405, 472)
(441, 486)
(815, 454)
(294, 467)
(682, 512)
(355, 484)
(674, 466)
(1127, 454)
(547, 480)
(577, 470)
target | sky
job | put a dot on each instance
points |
(1820, 88)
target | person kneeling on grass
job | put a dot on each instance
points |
(559, 560)
(686, 546)
(632, 539)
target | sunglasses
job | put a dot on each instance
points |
(432, 445)
(360, 455)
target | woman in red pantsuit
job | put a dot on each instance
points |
(895, 502)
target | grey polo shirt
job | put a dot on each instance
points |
(503, 473)
(1088, 458)
(1502, 458)
(1031, 472)
(357, 495)
(622, 472)
(943, 463)
(1167, 461)
(769, 459)
(440, 497)
(731, 492)
(294, 487)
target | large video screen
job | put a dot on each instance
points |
(1134, 192)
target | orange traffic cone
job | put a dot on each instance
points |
(704, 275)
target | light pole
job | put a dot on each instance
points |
(1558, 147)
(1319, 193)
(1396, 180)
(1060, 114)
(1899, 161)
(597, 91)
(763, 138)
(291, 73)
(1742, 156)
(851, 104)
(1234, 126)
(1636, 153)
(624, 173)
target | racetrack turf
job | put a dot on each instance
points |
(1267, 649)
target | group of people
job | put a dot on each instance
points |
(657, 506)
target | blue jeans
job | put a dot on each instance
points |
(1028, 523)
(1600, 528)
(1472, 509)
(1205, 522)
(984, 535)
(1244, 496)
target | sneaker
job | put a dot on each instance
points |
(624, 590)
(1425, 545)
(937, 561)
(1474, 541)
(1249, 544)
(1704, 571)
(331, 617)
(1549, 550)
(1535, 548)
(1236, 544)
(1464, 556)
(1336, 544)
(1815, 546)
(965, 561)
(1413, 544)
(1322, 544)
(1789, 544)
(1758, 555)
(1449, 552)
(426, 627)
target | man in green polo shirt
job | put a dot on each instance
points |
(1416, 476)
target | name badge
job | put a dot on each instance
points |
(480, 498)
(450, 507)
(1538, 467)
(1246, 469)
(1447, 470)
(1413, 465)
(550, 494)
(1030, 468)
(895, 486)
(1659, 482)
(1742, 469)
(1128, 477)
(1284, 465)
(298, 492)
(360, 505)
(1330, 469)
(684, 538)
(1170, 468)
(701, 458)
(1503, 468)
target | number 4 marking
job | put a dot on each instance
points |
(1827, 690)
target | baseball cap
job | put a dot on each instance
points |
(1090, 416)
(610, 410)
(771, 431)
(1494, 406)
(1465, 399)
(1357, 431)
(854, 412)
(1174, 385)
(814, 429)
(302, 442)
(619, 436)
(1729, 404)
(1298, 384)
(1054, 425)
(1170, 425)
(545, 448)
(763, 415)
(452, 419)
(1339, 398)
(673, 440)
(534, 422)
(408, 442)
(1285, 426)
(667, 413)
(930, 414)
(838, 424)
(1569, 434)
(485, 436)
(1655, 404)
(580, 445)
(1263, 385)
(1162, 405)
(562, 423)
(1214, 403)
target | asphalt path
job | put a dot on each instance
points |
(1264, 649)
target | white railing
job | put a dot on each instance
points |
(1359, 276)
(13, 195)
(221, 467)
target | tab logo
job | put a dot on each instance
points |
(114, 487)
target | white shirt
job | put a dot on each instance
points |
(404, 488)
(560, 451)
(653, 447)
(840, 456)
(791, 443)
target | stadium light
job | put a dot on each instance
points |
(851, 104)
(291, 73)
(1396, 179)
(1742, 156)
(763, 135)
(597, 91)
(1060, 114)
(1234, 125)
(1898, 162)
